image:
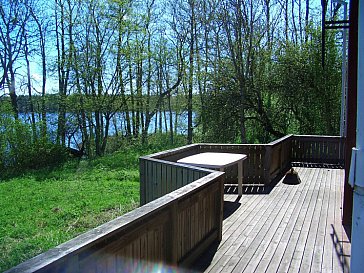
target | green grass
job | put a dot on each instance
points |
(45, 208)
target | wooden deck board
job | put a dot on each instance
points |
(251, 256)
(293, 228)
(327, 259)
(290, 234)
(301, 258)
(242, 222)
(275, 250)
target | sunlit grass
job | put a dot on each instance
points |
(45, 208)
(39, 212)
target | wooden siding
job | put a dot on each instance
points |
(172, 230)
(292, 228)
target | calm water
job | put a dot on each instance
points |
(117, 123)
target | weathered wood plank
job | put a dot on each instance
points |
(252, 244)
(250, 217)
(292, 235)
(328, 246)
(142, 184)
(148, 183)
(273, 234)
(157, 180)
(318, 251)
(294, 256)
(276, 248)
(342, 243)
(311, 234)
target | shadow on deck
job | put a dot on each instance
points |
(294, 228)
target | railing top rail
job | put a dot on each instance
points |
(198, 145)
(109, 229)
(171, 151)
(318, 136)
(234, 145)
(201, 145)
(277, 141)
(180, 165)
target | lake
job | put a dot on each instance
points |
(117, 124)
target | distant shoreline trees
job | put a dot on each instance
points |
(250, 70)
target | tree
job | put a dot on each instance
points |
(64, 28)
(14, 16)
(42, 23)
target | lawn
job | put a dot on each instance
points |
(42, 209)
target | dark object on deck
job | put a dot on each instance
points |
(292, 178)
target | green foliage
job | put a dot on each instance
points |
(288, 91)
(222, 117)
(309, 92)
(156, 142)
(21, 149)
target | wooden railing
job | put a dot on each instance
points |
(318, 149)
(172, 230)
(253, 166)
(164, 177)
(159, 172)
(278, 157)
(183, 208)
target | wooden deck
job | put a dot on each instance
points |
(290, 228)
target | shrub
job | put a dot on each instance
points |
(21, 149)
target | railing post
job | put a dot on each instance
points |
(280, 157)
(173, 235)
(220, 210)
(267, 163)
(142, 185)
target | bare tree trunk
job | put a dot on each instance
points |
(286, 20)
(120, 77)
(132, 99)
(171, 136)
(29, 87)
(307, 19)
(148, 118)
(99, 134)
(267, 14)
(160, 119)
(294, 34)
(83, 117)
(42, 33)
(199, 78)
(63, 66)
(12, 91)
(237, 58)
(139, 103)
(171, 131)
(190, 76)
(300, 20)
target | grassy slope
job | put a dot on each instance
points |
(45, 208)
